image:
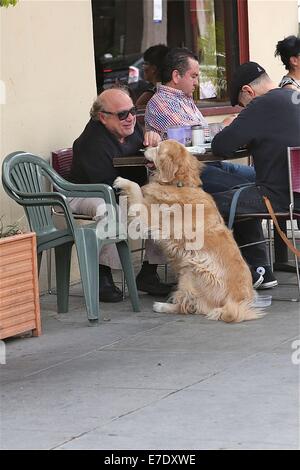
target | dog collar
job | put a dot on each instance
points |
(180, 184)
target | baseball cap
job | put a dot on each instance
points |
(244, 75)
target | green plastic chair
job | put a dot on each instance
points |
(24, 178)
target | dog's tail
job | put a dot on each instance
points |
(233, 312)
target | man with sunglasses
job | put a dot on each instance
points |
(113, 132)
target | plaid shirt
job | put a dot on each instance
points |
(170, 107)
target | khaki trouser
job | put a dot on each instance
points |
(94, 207)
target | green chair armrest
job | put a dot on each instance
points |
(48, 199)
(82, 190)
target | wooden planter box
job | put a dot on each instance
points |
(19, 292)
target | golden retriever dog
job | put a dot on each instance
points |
(213, 278)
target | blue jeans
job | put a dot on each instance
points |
(244, 171)
(222, 176)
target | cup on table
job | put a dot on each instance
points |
(214, 128)
(197, 135)
(188, 136)
(177, 133)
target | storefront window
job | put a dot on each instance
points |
(123, 29)
(214, 39)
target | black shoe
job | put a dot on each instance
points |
(108, 291)
(150, 283)
(269, 280)
(257, 279)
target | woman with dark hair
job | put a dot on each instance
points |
(153, 62)
(289, 51)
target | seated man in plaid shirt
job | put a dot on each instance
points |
(173, 105)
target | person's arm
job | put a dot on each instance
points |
(151, 139)
(152, 123)
(228, 120)
(147, 139)
(239, 133)
(160, 114)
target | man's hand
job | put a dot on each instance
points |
(151, 139)
(228, 120)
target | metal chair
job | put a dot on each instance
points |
(293, 156)
(24, 176)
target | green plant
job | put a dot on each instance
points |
(211, 47)
(6, 3)
(9, 230)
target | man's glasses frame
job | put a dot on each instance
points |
(122, 115)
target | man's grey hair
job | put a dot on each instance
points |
(96, 108)
(98, 105)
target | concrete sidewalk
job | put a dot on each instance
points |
(152, 381)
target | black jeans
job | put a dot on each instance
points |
(249, 231)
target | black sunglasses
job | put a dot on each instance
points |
(122, 115)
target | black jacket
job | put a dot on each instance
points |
(93, 154)
(267, 126)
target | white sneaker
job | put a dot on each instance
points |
(269, 280)
(257, 279)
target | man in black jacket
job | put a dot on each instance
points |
(268, 124)
(113, 132)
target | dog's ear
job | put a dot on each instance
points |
(167, 169)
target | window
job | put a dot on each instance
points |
(216, 30)
(211, 32)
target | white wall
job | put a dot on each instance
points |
(47, 66)
(269, 22)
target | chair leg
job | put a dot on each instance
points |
(49, 270)
(296, 257)
(142, 250)
(123, 284)
(39, 261)
(62, 266)
(88, 260)
(124, 254)
(298, 275)
(270, 243)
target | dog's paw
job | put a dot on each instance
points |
(158, 307)
(120, 183)
(165, 307)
